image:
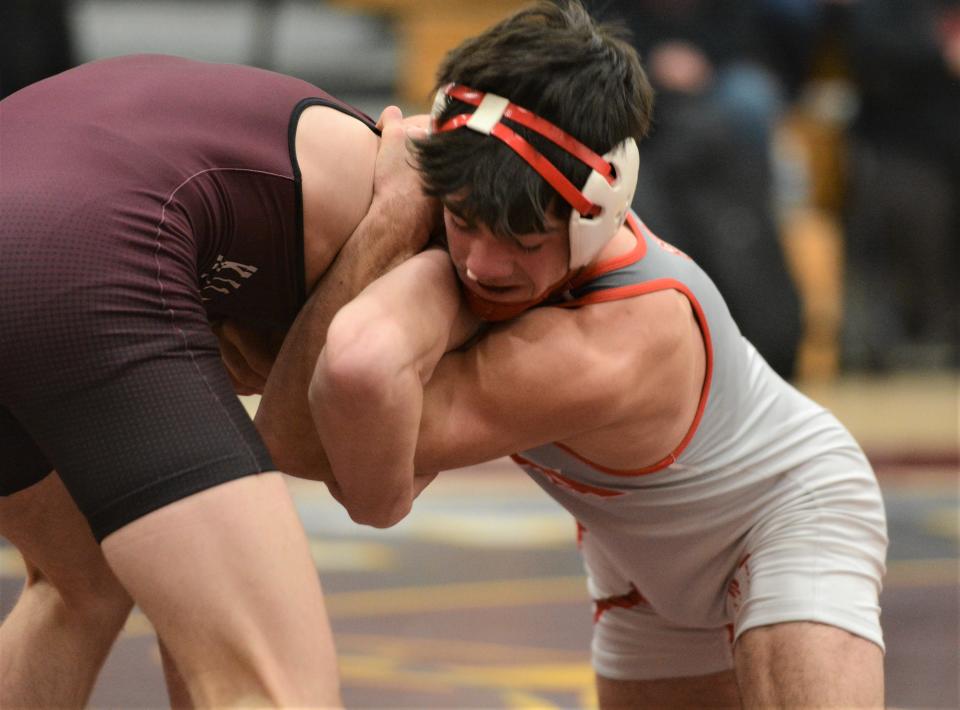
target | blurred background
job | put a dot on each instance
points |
(805, 152)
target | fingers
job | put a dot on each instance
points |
(389, 116)
(391, 121)
(420, 119)
(396, 179)
(393, 165)
(417, 127)
(392, 137)
(416, 132)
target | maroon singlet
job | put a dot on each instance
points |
(141, 197)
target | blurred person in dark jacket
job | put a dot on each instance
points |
(705, 183)
(35, 42)
(904, 187)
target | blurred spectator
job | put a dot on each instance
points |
(35, 42)
(904, 189)
(705, 178)
(807, 44)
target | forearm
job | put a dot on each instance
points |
(367, 412)
(367, 390)
(381, 241)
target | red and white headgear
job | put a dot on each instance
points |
(599, 207)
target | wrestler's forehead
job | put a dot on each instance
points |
(455, 203)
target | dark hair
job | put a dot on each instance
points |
(554, 60)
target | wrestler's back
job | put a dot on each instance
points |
(141, 197)
(192, 160)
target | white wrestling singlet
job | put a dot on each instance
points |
(767, 512)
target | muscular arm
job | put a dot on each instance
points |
(617, 382)
(603, 379)
(396, 226)
(367, 390)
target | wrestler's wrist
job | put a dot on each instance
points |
(400, 223)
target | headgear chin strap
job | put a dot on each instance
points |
(599, 208)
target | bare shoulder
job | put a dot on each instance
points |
(619, 382)
(336, 153)
(618, 346)
(650, 362)
(324, 130)
(612, 337)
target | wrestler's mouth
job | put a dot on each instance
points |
(496, 292)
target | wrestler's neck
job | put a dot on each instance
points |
(623, 242)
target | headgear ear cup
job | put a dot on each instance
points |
(589, 235)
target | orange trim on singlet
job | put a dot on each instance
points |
(559, 479)
(617, 262)
(639, 290)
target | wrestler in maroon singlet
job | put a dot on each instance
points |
(140, 198)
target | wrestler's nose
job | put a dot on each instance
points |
(488, 259)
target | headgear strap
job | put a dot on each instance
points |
(487, 119)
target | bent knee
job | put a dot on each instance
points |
(96, 598)
(713, 690)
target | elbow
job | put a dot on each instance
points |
(382, 514)
(357, 360)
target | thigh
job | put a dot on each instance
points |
(109, 364)
(716, 690)
(226, 578)
(22, 463)
(819, 555)
(804, 664)
(45, 525)
(136, 414)
(632, 642)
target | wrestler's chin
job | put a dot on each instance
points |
(497, 306)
